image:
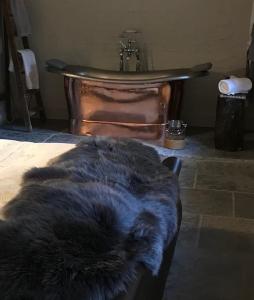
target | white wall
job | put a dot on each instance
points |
(178, 33)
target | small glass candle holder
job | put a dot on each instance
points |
(175, 134)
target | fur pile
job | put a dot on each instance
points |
(79, 227)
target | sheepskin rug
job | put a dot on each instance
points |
(80, 227)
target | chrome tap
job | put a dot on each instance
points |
(127, 51)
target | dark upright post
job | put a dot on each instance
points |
(229, 128)
(175, 103)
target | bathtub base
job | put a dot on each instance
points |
(118, 110)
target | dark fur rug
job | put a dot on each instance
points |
(80, 227)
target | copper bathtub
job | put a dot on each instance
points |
(101, 108)
(110, 103)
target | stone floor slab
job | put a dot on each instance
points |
(36, 136)
(65, 138)
(199, 274)
(188, 173)
(189, 232)
(227, 235)
(231, 176)
(207, 202)
(244, 205)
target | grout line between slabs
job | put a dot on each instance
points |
(199, 230)
(233, 204)
(229, 217)
(215, 159)
(51, 136)
(195, 179)
(215, 190)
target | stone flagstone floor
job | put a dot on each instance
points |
(214, 256)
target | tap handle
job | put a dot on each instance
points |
(130, 42)
(122, 44)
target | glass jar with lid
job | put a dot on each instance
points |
(175, 134)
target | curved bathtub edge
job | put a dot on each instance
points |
(87, 73)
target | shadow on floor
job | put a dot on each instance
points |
(218, 266)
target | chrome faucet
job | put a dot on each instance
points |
(126, 52)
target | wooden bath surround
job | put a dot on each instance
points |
(110, 109)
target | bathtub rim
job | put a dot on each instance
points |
(160, 76)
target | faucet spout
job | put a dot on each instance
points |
(127, 51)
